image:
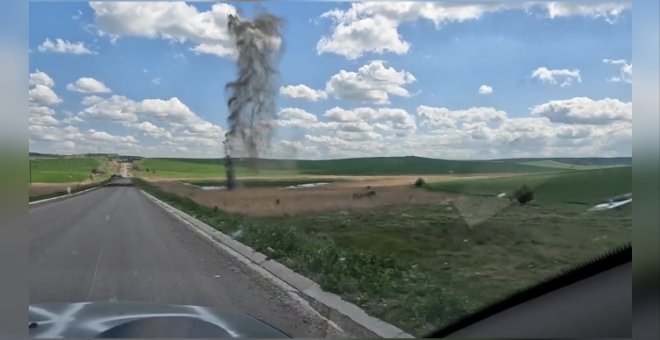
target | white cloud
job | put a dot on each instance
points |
(625, 71)
(485, 89)
(156, 81)
(43, 94)
(91, 100)
(171, 110)
(443, 118)
(115, 108)
(173, 21)
(292, 116)
(170, 123)
(563, 77)
(352, 39)
(369, 121)
(42, 120)
(610, 11)
(302, 92)
(77, 16)
(64, 46)
(88, 85)
(41, 78)
(152, 130)
(65, 146)
(71, 119)
(102, 136)
(121, 108)
(38, 110)
(374, 26)
(583, 110)
(372, 83)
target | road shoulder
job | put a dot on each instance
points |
(346, 315)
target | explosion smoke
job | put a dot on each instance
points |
(252, 95)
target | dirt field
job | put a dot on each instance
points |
(38, 189)
(358, 193)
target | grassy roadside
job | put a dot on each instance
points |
(420, 267)
(385, 286)
(73, 190)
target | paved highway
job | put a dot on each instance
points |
(115, 244)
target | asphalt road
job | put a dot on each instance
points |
(115, 244)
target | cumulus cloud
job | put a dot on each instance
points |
(372, 83)
(88, 85)
(485, 89)
(373, 27)
(302, 92)
(584, 110)
(42, 94)
(91, 100)
(115, 108)
(39, 110)
(102, 136)
(168, 121)
(63, 46)
(292, 116)
(366, 123)
(440, 117)
(609, 11)
(42, 120)
(563, 77)
(152, 130)
(625, 70)
(41, 78)
(121, 108)
(172, 21)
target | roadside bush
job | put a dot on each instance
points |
(524, 194)
(420, 182)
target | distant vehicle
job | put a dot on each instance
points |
(142, 320)
(613, 203)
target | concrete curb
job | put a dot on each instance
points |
(327, 304)
(65, 195)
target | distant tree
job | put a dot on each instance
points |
(420, 182)
(524, 194)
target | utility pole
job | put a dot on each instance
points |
(69, 166)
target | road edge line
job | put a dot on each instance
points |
(65, 195)
(305, 287)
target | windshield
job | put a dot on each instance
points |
(303, 162)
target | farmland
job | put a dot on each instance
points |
(582, 188)
(52, 175)
(213, 168)
(416, 257)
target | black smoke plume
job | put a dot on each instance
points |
(252, 96)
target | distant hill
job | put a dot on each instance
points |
(352, 166)
(39, 154)
(590, 161)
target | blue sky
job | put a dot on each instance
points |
(375, 79)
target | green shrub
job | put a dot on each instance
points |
(524, 194)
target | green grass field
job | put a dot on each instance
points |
(552, 164)
(56, 170)
(199, 169)
(421, 267)
(213, 168)
(572, 188)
